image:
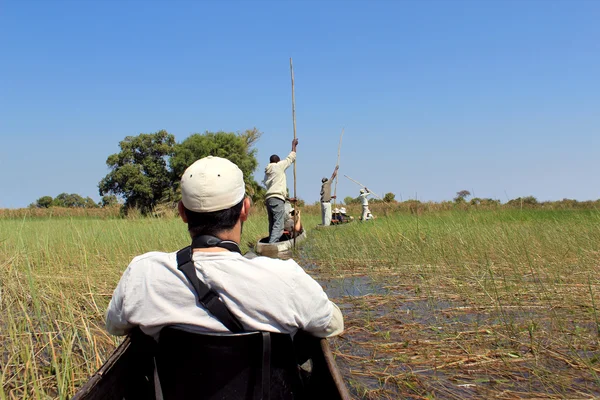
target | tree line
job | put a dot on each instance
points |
(147, 170)
(74, 200)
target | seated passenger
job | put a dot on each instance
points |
(263, 294)
(289, 229)
(343, 215)
(336, 217)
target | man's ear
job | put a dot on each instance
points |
(181, 209)
(245, 209)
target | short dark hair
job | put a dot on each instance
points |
(212, 223)
(274, 158)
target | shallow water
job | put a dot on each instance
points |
(352, 286)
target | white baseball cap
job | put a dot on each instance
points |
(343, 210)
(212, 184)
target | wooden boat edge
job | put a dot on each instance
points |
(338, 379)
(278, 247)
(112, 361)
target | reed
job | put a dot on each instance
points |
(452, 304)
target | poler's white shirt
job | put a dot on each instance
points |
(363, 197)
(275, 180)
(263, 293)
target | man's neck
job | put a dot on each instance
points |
(232, 235)
(210, 250)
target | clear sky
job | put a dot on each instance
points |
(501, 98)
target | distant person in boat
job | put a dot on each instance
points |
(276, 184)
(263, 294)
(344, 217)
(326, 198)
(340, 216)
(336, 217)
(365, 203)
(291, 230)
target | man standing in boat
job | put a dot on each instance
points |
(326, 198)
(276, 183)
(365, 203)
(263, 294)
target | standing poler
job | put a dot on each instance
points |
(276, 184)
(365, 203)
(326, 198)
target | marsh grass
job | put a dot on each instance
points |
(478, 304)
(57, 276)
(494, 303)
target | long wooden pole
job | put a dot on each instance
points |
(295, 162)
(337, 165)
(361, 185)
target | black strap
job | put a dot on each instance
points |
(210, 300)
(206, 297)
(266, 366)
(204, 241)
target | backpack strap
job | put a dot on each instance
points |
(206, 297)
(266, 366)
(204, 241)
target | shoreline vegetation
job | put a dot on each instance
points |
(441, 300)
(377, 206)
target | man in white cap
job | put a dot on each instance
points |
(276, 184)
(262, 294)
(326, 198)
(335, 216)
(365, 203)
(343, 216)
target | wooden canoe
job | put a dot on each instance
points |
(129, 374)
(324, 227)
(264, 248)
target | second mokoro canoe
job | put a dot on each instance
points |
(264, 248)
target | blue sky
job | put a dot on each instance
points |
(500, 98)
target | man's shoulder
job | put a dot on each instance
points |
(152, 256)
(153, 259)
(276, 265)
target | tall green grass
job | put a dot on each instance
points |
(57, 276)
(56, 279)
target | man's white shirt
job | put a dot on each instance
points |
(264, 294)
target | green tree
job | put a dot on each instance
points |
(68, 200)
(44, 202)
(520, 201)
(109, 200)
(389, 197)
(139, 171)
(236, 147)
(351, 200)
(88, 202)
(461, 196)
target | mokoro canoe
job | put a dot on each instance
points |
(129, 374)
(346, 223)
(264, 248)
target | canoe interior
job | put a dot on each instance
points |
(129, 373)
